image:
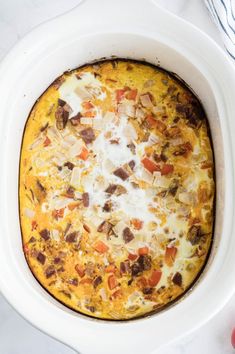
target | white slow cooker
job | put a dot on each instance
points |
(136, 29)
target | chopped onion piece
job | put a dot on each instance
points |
(149, 83)
(87, 121)
(103, 294)
(161, 181)
(55, 235)
(146, 101)
(108, 165)
(77, 195)
(153, 139)
(109, 117)
(29, 213)
(98, 123)
(45, 207)
(83, 93)
(75, 177)
(96, 220)
(59, 158)
(177, 141)
(183, 210)
(157, 110)
(119, 227)
(146, 176)
(76, 149)
(53, 134)
(139, 113)
(36, 143)
(95, 91)
(126, 108)
(39, 162)
(59, 203)
(70, 139)
(130, 132)
(187, 198)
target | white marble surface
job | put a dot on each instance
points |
(17, 17)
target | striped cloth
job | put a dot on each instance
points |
(223, 13)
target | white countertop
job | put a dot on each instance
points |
(17, 17)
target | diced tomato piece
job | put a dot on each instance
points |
(87, 105)
(84, 154)
(58, 213)
(34, 225)
(131, 95)
(120, 94)
(137, 223)
(132, 257)
(170, 255)
(117, 294)
(86, 281)
(112, 282)
(150, 165)
(47, 142)
(155, 277)
(166, 169)
(143, 251)
(101, 247)
(150, 120)
(110, 268)
(80, 270)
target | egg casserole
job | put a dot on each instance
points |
(116, 189)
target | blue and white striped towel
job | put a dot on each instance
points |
(223, 13)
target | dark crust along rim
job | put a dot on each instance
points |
(201, 273)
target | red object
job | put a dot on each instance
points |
(46, 142)
(155, 277)
(112, 282)
(170, 255)
(151, 121)
(87, 105)
(58, 213)
(143, 251)
(80, 270)
(120, 94)
(138, 224)
(233, 338)
(150, 165)
(116, 294)
(166, 169)
(132, 256)
(34, 225)
(131, 95)
(101, 247)
(84, 154)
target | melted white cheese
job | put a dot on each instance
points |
(73, 91)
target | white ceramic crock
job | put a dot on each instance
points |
(129, 29)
